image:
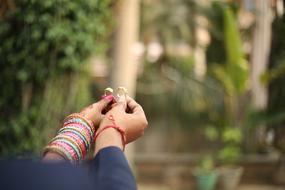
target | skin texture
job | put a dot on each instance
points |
(94, 111)
(134, 123)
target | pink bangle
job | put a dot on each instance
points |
(74, 139)
(81, 129)
(81, 122)
(72, 143)
(79, 133)
(78, 115)
(80, 125)
(77, 139)
(67, 149)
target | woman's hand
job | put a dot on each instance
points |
(134, 122)
(94, 111)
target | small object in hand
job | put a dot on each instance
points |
(121, 91)
(121, 95)
(109, 91)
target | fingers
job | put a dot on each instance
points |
(121, 103)
(121, 100)
(119, 106)
(134, 106)
(103, 103)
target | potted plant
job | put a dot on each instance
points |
(230, 172)
(233, 76)
(205, 174)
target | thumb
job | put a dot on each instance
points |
(121, 102)
(105, 100)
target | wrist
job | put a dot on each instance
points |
(73, 140)
(108, 137)
(51, 156)
(109, 134)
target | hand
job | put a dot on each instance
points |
(133, 122)
(94, 111)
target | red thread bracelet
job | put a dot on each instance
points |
(116, 127)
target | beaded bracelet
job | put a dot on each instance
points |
(74, 139)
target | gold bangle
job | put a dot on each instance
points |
(58, 150)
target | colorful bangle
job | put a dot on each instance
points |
(60, 149)
(71, 143)
(78, 115)
(77, 133)
(67, 149)
(81, 125)
(81, 121)
(77, 140)
(74, 139)
(57, 149)
(83, 130)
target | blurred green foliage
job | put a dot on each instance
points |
(183, 98)
(220, 102)
(237, 66)
(66, 29)
(234, 74)
(169, 25)
(169, 88)
(276, 79)
(43, 43)
(205, 166)
(226, 35)
(233, 77)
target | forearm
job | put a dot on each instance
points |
(72, 142)
(108, 137)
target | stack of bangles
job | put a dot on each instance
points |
(75, 138)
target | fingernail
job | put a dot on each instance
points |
(108, 97)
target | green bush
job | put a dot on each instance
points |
(276, 79)
(42, 41)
